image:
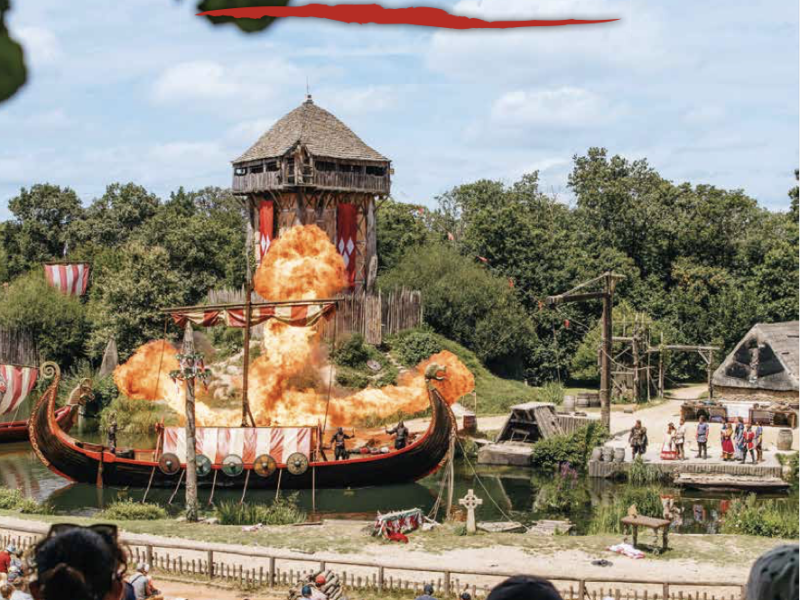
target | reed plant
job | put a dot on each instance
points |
(773, 518)
(128, 510)
(607, 518)
(283, 511)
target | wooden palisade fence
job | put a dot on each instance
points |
(374, 315)
(254, 569)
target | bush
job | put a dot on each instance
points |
(549, 454)
(350, 378)
(642, 473)
(128, 510)
(564, 495)
(351, 351)
(136, 416)
(414, 347)
(552, 392)
(793, 476)
(14, 500)
(768, 518)
(283, 511)
(57, 322)
(607, 518)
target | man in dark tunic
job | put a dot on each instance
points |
(638, 439)
(338, 440)
(401, 435)
(112, 435)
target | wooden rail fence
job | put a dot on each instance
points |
(252, 569)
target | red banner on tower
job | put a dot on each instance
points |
(346, 236)
(265, 228)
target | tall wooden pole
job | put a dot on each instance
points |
(191, 457)
(605, 362)
(661, 368)
(247, 416)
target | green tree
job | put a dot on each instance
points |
(131, 285)
(399, 228)
(57, 322)
(113, 219)
(466, 303)
(39, 231)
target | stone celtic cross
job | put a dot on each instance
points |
(470, 502)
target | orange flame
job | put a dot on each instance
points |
(289, 380)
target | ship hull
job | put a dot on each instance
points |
(89, 463)
(17, 431)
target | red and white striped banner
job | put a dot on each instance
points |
(70, 279)
(265, 229)
(246, 442)
(305, 315)
(346, 238)
(16, 384)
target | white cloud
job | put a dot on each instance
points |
(560, 107)
(203, 80)
(40, 44)
(357, 101)
(568, 53)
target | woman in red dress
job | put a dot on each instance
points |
(727, 442)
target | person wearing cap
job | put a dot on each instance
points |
(5, 558)
(316, 589)
(427, 592)
(524, 587)
(774, 575)
(465, 596)
(305, 592)
(142, 583)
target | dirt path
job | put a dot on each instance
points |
(173, 590)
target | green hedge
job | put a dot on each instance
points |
(574, 448)
(768, 518)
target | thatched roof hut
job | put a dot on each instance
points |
(764, 364)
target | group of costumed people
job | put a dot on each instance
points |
(737, 442)
(339, 440)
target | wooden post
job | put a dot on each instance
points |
(191, 451)
(709, 371)
(661, 367)
(247, 417)
(605, 370)
(637, 384)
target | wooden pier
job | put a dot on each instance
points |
(607, 470)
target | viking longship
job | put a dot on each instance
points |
(237, 457)
(16, 384)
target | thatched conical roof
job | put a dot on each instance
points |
(766, 358)
(319, 131)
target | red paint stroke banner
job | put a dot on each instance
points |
(373, 13)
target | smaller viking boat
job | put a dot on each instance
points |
(16, 384)
(238, 457)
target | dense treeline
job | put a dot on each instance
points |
(701, 264)
(146, 253)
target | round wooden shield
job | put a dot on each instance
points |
(297, 463)
(232, 465)
(169, 463)
(264, 465)
(203, 465)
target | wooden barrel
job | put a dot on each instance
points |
(597, 454)
(785, 439)
(569, 403)
(582, 401)
(619, 455)
(594, 399)
(608, 454)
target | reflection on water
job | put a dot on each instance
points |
(513, 494)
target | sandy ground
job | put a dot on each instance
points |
(173, 591)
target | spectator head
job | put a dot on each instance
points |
(702, 418)
(79, 562)
(638, 423)
(306, 591)
(320, 580)
(6, 589)
(427, 588)
(524, 587)
(465, 596)
(143, 568)
(774, 575)
(11, 549)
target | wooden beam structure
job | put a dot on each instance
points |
(608, 281)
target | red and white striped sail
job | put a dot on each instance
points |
(15, 385)
(246, 442)
(70, 279)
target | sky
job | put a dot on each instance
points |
(144, 91)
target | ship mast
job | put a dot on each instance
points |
(247, 415)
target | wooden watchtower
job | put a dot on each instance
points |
(310, 168)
